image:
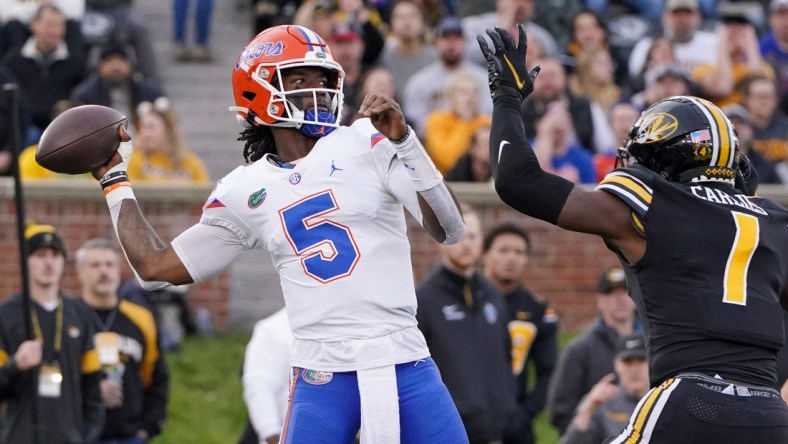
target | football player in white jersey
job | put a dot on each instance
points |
(327, 202)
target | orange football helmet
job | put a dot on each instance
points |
(257, 80)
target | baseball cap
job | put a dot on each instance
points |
(345, 34)
(675, 5)
(777, 5)
(736, 111)
(449, 25)
(39, 236)
(611, 279)
(113, 49)
(631, 346)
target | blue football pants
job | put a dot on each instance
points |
(330, 412)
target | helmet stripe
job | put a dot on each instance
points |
(723, 152)
(313, 40)
(724, 127)
(715, 130)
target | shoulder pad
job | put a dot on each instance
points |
(633, 185)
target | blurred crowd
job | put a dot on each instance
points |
(603, 61)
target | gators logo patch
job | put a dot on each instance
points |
(656, 127)
(317, 377)
(257, 198)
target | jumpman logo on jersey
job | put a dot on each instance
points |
(333, 168)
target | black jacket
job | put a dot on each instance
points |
(78, 414)
(534, 330)
(469, 342)
(144, 372)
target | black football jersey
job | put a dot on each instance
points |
(708, 287)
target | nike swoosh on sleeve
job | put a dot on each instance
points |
(500, 148)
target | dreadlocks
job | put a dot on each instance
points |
(259, 141)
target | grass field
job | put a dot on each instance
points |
(206, 405)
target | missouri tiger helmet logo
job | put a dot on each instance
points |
(656, 127)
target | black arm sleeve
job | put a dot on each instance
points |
(519, 180)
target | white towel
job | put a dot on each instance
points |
(379, 405)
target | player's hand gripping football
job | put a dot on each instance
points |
(506, 66)
(385, 114)
(120, 160)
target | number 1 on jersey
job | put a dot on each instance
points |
(310, 237)
(744, 245)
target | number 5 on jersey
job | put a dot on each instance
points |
(326, 248)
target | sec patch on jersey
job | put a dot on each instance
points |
(80, 140)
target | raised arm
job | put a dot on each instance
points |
(519, 179)
(153, 261)
(441, 215)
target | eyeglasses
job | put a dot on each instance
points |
(160, 105)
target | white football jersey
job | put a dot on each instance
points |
(335, 227)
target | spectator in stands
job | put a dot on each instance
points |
(162, 154)
(348, 49)
(663, 82)
(45, 68)
(556, 151)
(589, 357)
(770, 123)
(201, 52)
(659, 54)
(424, 91)
(406, 51)
(130, 29)
(58, 369)
(588, 33)
(622, 116)
(474, 165)
(594, 78)
(769, 171)
(533, 326)
(136, 382)
(463, 318)
(507, 14)
(367, 22)
(738, 57)
(774, 46)
(266, 373)
(681, 21)
(16, 16)
(606, 409)
(448, 132)
(591, 128)
(115, 84)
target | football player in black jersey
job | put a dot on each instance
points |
(706, 261)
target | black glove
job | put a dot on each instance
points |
(506, 67)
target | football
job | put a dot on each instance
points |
(80, 140)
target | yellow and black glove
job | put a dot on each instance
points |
(506, 66)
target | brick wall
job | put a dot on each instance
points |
(564, 266)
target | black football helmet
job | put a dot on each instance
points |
(684, 139)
